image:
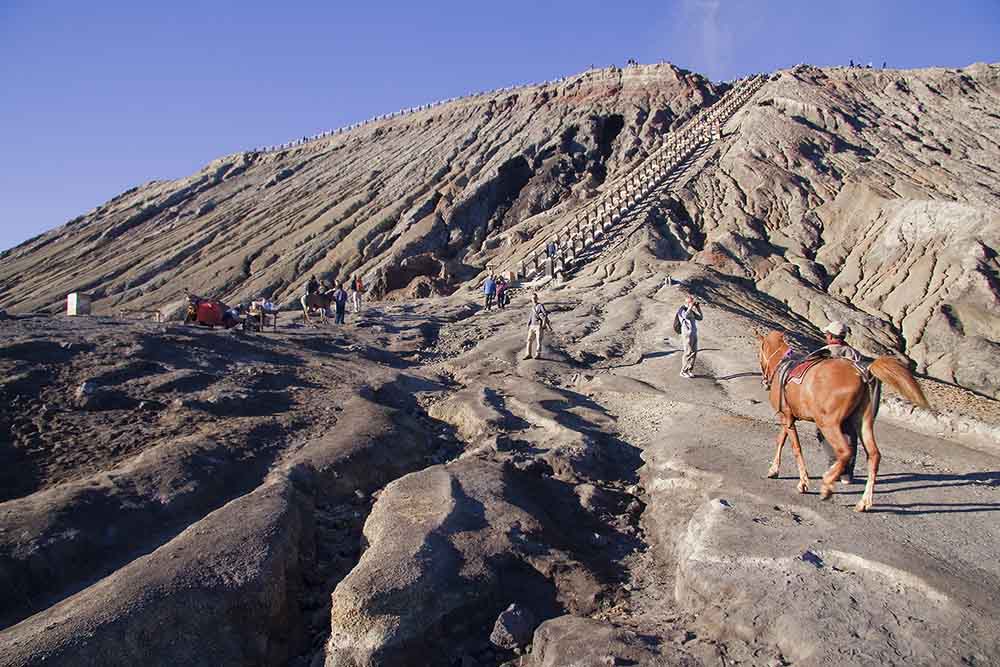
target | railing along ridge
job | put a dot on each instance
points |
(629, 189)
(274, 148)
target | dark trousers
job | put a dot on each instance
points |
(339, 319)
(489, 300)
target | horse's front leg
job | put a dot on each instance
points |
(803, 484)
(772, 472)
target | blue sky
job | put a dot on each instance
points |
(96, 97)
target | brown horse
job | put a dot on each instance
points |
(834, 395)
(317, 301)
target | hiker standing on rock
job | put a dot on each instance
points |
(538, 324)
(686, 324)
(339, 303)
(490, 290)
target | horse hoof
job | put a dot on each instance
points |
(862, 507)
(772, 474)
(803, 487)
(825, 493)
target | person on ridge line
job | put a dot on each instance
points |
(686, 324)
(538, 323)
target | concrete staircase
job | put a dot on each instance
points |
(608, 239)
(626, 204)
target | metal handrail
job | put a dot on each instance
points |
(683, 142)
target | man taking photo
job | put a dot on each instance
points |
(686, 324)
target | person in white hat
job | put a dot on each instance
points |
(835, 333)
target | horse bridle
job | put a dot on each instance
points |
(766, 379)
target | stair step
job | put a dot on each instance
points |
(656, 187)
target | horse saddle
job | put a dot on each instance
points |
(797, 372)
(795, 369)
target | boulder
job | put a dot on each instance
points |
(449, 548)
(88, 396)
(223, 592)
(513, 628)
(585, 642)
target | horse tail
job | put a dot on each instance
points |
(897, 376)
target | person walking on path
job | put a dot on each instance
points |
(538, 324)
(490, 290)
(339, 303)
(686, 324)
(357, 287)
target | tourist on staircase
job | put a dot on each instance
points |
(686, 324)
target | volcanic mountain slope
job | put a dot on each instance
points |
(869, 196)
(862, 195)
(438, 181)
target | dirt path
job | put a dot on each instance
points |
(710, 440)
(883, 578)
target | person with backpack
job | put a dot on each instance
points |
(538, 324)
(357, 287)
(686, 324)
(339, 303)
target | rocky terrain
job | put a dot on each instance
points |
(408, 490)
(413, 198)
(379, 493)
(862, 195)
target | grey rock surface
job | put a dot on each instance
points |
(513, 628)
(571, 640)
(448, 548)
